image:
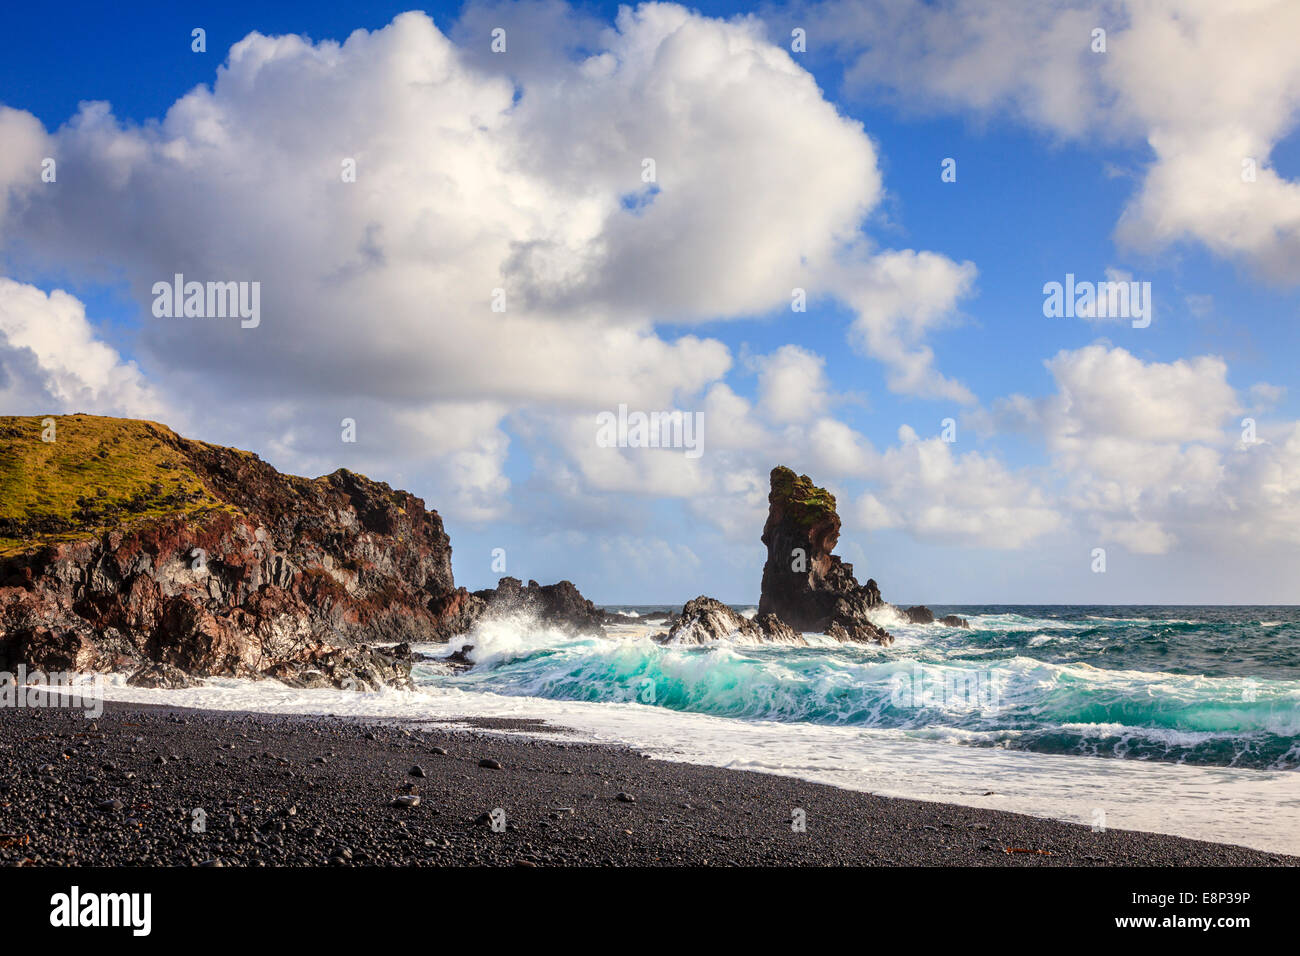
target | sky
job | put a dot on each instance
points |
(478, 230)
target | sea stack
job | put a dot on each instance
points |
(804, 583)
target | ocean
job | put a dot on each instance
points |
(1182, 720)
(1210, 686)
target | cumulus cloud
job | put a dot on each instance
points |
(52, 360)
(518, 181)
(736, 505)
(836, 449)
(792, 384)
(1152, 455)
(1107, 391)
(900, 296)
(733, 423)
(1211, 88)
(970, 499)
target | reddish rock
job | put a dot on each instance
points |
(295, 579)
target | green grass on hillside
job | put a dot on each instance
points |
(98, 474)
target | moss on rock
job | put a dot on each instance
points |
(803, 501)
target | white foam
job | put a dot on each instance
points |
(1014, 622)
(890, 618)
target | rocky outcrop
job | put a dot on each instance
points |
(804, 583)
(455, 613)
(243, 572)
(556, 605)
(705, 620)
(920, 614)
(559, 605)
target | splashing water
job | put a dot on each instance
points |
(1208, 686)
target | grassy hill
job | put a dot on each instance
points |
(98, 474)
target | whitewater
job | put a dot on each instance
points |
(1173, 720)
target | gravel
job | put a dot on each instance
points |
(167, 786)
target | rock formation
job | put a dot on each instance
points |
(705, 620)
(555, 604)
(920, 614)
(804, 583)
(126, 547)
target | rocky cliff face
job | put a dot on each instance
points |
(123, 545)
(804, 583)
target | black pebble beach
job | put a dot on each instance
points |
(149, 785)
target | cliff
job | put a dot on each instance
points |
(123, 545)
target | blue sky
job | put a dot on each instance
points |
(1130, 441)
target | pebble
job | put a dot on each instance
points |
(257, 817)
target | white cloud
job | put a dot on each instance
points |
(51, 360)
(1140, 537)
(731, 422)
(26, 146)
(1151, 454)
(736, 505)
(1109, 392)
(836, 449)
(650, 558)
(377, 294)
(899, 297)
(792, 385)
(1205, 85)
(970, 499)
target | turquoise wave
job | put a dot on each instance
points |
(1059, 684)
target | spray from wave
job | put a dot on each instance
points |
(1046, 684)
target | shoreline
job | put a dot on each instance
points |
(282, 789)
